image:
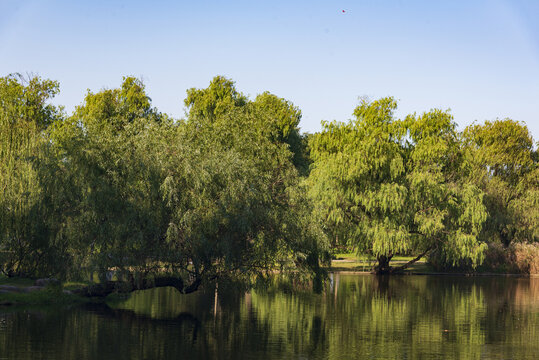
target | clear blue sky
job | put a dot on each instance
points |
(479, 58)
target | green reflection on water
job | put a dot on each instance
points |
(414, 317)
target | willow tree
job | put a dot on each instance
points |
(392, 186)
(238, 207)
(182, 203)
(281, 117)
(217, 99)
(525, 207)
(108, 154)
(501, 161)
(27, 242)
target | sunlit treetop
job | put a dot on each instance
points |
(26, 99)
(117, 107)
(219, 97)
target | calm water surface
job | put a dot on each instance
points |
(357, 317)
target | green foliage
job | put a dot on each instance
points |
(213, 196)
(284, 119)
(218, 98)
(108, 151)
(502, 162)
(525, 207)
(281, 117)
(504, 147)
(27, 237)
(284, 115)
(392, 185)
(235, 190)
(235, 200)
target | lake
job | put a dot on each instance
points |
(356, 317)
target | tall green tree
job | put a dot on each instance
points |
(218, 98)
(108, 150)
(181, 203)
(391, 185)
(281, 117)
(502, 162)
(27, 238)
(237, 164)
(236, 202)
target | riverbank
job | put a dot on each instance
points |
(344, 262)
(353, 264)
(22, 291)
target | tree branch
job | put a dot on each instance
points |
(106, 288)
(404, 266)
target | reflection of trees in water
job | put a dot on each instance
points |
(388, 317)
(97, 332)
(396, 317)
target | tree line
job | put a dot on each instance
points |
(234, 189)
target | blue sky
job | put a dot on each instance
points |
(479, 58)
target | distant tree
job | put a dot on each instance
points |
(392, 185)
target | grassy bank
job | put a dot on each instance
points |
(42, 297)
(508, 263)
(342, 262)
(53, 295)
(363, 263)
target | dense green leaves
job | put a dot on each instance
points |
(230, 194)
(392, 184)
(27, 237)
(503, 163)
(235, 190)
(109, 148)
(217, 99)
(131, 191)
(236, 197)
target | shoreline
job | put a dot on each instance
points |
(21, 295)
(409, 273)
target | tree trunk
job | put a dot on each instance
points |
(108, 287)
(383, 265)
(414, 260)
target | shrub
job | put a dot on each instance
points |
(520, 258)
(517, 258)
(526, 257)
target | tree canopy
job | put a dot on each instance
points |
(132, 191)
(27, 237)
(393, 184)
(503, 163)
(235, 190)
